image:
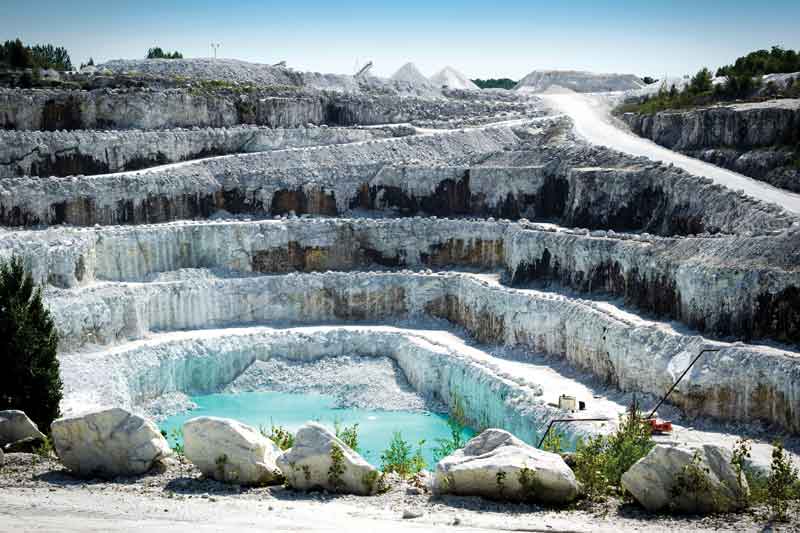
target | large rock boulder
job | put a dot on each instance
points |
(16, 426)
(229, 451)
(497, 465)
(692, 480)
(2, 458)
(309, 464)
(108, 443)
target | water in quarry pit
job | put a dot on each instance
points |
(292, 410)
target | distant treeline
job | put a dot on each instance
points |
(760, 62)
(495, 83)
(15, 54)
(158, 53)
(742, 81)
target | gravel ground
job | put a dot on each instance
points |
(39, 495)
(367, 383)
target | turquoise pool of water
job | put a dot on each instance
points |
(375, 427)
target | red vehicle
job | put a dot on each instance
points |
(659, 427)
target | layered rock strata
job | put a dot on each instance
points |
(461, 175)
(61, 153)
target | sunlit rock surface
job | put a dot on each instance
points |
(229, 451)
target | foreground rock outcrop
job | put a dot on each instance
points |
(312, 463)
(108, 443)
(497, 465)
(690, 480)
(230, 451)
(15, 426)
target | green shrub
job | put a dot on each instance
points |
(347, 434)
(398, 457)
(30, 378)
(739, 457)
(177, 436)
(445, 447)
(782, 483)
(553, 441)
(601, 461)
(281, 436)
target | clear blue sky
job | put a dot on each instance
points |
(480, 38)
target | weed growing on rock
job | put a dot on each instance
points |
(398, 457)
(347, 434)
(693, 481)
(336, 470)
(529, 482)
(221, 461)
(281, 436)
(500, 479)
(306, 472)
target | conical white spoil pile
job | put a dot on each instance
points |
(410, 74)
(453, 79)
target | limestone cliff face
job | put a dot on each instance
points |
(69, 153)
(759, 140)
(38, 109)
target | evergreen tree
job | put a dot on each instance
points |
(700, 82)
(30, 379)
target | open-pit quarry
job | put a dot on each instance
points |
(492, 254)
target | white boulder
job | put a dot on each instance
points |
(16, 426)
(497, 465)
(684, 479)
(309, 465)
(230, 451)
(108, 443)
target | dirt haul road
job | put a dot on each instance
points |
(593, 122)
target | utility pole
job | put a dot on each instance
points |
(215, 46)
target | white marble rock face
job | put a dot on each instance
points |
(655, 480)
(15, 426)
(108, 443)
(307, 464)
(229, 451)
(498, 466)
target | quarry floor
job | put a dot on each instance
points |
(38, 495)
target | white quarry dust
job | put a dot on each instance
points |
(593, 122)
(354, 382)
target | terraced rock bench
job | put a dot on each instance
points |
(741, 382)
